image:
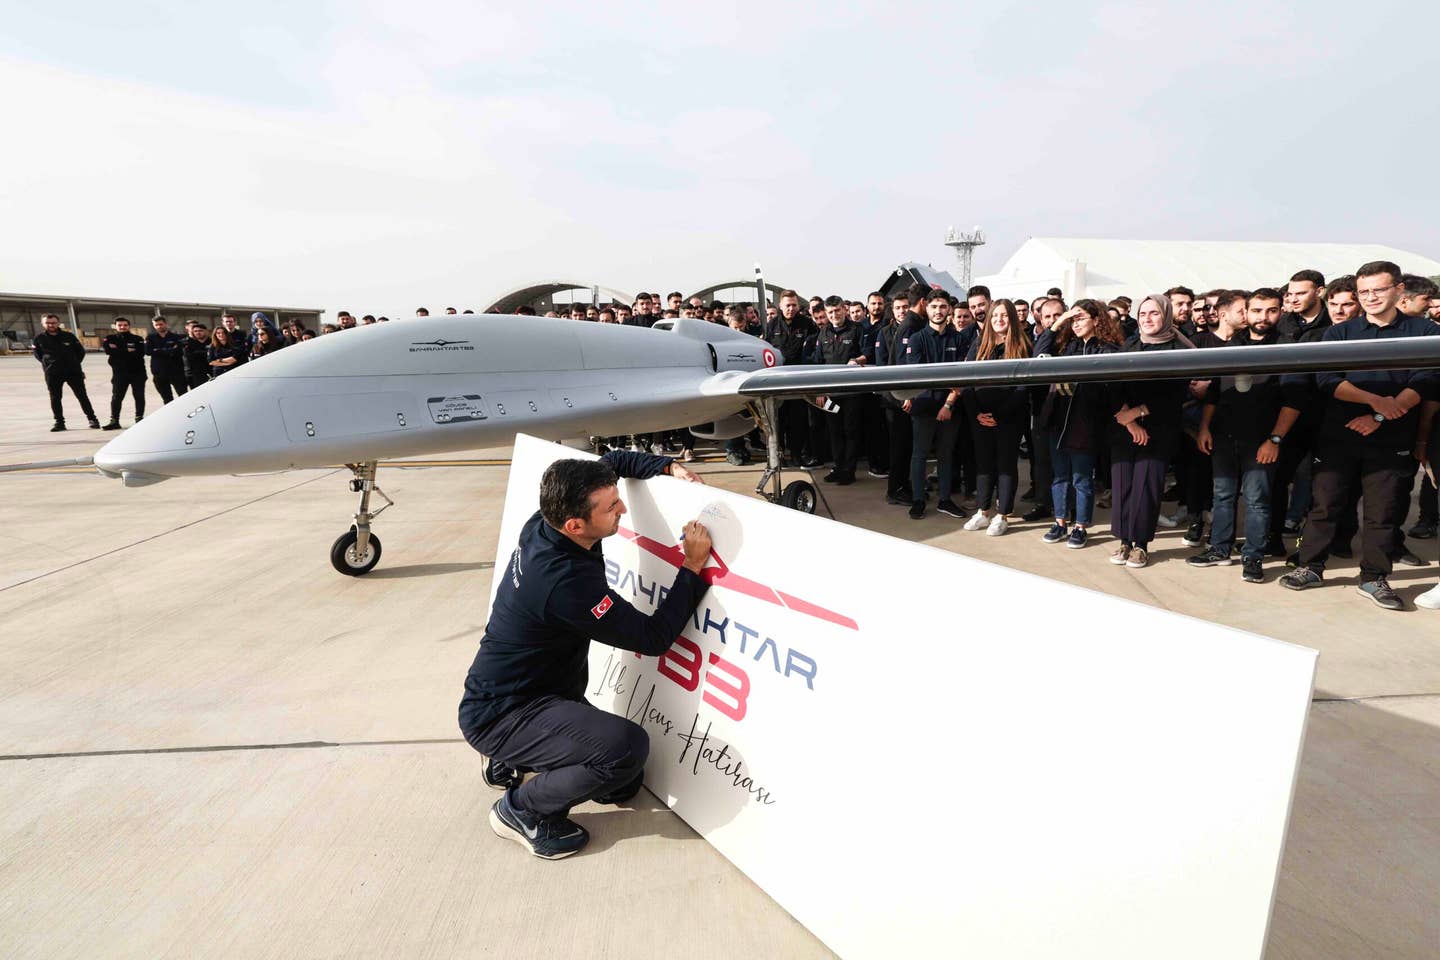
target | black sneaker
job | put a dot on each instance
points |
(1275, 547)
(112, 425)
(501, 776)
(1077, 539)
(624, 794)
(58, 427)
(877, 474)
(1379, 591)
(1408, 558)
(1252, 570)
(917, 509)
(1212, 557)
(549, 838)
(834, 476)
(810, 463)
(1194, 534)
(1036, 515)
(1056, 533)
(950, 508)
(897, 499)
(94, 424)
(1301, 578)
(1421, 531)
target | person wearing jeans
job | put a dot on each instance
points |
(1072, 417)
(1243, 427)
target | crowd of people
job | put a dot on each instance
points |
(1323, 459)
(1318, 459)
(178, 363)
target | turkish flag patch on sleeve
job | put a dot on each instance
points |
(601, 608)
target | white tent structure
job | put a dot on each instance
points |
(1104, 269)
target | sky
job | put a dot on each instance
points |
(378, 156)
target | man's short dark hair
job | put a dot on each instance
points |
(916, 292)
(979, 290)
(938, 295)
(874, 293)
(566, 487)
(1228, 297)
(368, 318)
(1314, 276)
(1418, 286)
(1345, 284)
(525, 310)
(1057, 293)
(227, 313)
(788, 293)
(421, 312)
(674, 293)
(835, 301)
(1265, 293)
(1185, 291)
(342, 313)
(1376, 267)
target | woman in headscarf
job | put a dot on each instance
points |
(1144, 437)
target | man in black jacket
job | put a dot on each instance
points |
(840, 341)
(60, 355)
(524, 704)
(890, 344)
(787, 333)
(1243, 429)
(1366, 437)
(195, 352)
(167, 366)
(932, 413)
(126, 353)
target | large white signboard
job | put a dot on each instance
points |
(921, 754)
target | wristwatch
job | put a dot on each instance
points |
(1276, 439)
(1379, 418)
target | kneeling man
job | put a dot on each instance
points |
(524, 706)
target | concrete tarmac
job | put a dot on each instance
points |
(214, 745)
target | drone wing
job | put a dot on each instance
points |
(1397, 354)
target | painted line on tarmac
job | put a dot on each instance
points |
(231, 747)
(127, 546)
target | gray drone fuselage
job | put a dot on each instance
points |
(436, 385)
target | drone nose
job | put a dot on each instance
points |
(141, 454)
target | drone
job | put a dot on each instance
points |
(442, 384)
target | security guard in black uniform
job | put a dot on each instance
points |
(126, 352)
(524, 705)
(60, 354)
(166, 365)
(841, 342)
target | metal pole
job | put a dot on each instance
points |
(760, 292)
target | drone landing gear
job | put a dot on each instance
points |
(798, 494)
(357, 550)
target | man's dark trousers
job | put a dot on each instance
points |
(580, 752)
(56, 379)
(844, 428)
(1382, 475)
(120, 382)
(901, 439)
(169, 383)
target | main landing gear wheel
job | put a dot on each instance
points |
(345, 558)
(799, 495)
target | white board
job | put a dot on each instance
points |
(937, 756)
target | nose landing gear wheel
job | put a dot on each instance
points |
(344, 558)
(799, 495)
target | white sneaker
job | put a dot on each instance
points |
(978, 521)
(1430, 599)
(1173, 520)
(997, 526)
